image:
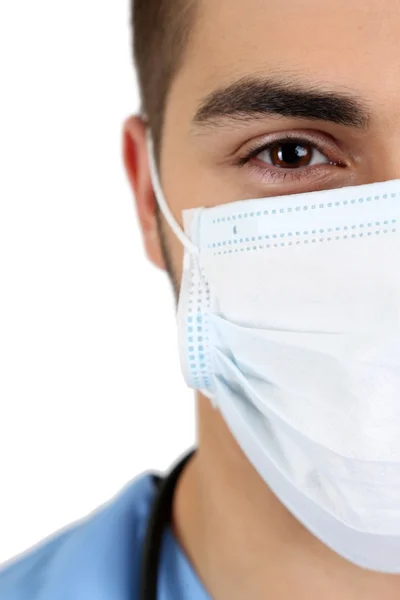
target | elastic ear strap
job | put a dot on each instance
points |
(169, 217)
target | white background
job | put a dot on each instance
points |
(91, 392)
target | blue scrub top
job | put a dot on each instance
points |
(99, 557)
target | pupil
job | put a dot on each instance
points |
(291, 154)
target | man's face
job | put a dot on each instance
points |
(346, 49)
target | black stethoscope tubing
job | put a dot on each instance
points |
(160, 517)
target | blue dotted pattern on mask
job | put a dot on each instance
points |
(197, 335)
(289, 209)
(261, 242)
(348, 232)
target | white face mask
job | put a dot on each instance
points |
(289, 321)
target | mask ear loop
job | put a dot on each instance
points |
(169, 217)
(192, 248)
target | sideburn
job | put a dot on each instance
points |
(166, 255)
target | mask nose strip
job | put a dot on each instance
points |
(162, 203)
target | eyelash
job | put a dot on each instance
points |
(277, 173)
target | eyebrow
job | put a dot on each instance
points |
(253, 98)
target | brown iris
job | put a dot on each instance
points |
(290, 155)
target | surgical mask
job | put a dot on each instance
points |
(289, 321)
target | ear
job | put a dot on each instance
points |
(137, 169)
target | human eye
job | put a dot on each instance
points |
(291, 155)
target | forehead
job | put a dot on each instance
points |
(345, 44)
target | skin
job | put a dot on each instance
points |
(241, 541)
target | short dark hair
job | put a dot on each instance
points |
(160, 31)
